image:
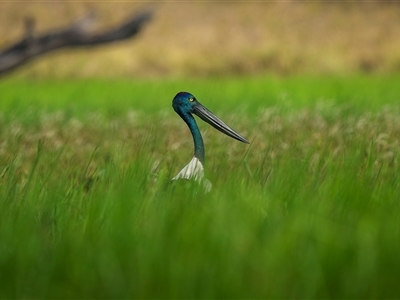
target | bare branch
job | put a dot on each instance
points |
(76, 35)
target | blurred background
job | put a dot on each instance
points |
(216, 39)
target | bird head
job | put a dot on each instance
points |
(186, 104)
(183, 103)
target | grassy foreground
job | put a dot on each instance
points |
(309, 210)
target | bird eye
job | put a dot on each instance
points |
(191, 99)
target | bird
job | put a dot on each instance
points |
(185, 105)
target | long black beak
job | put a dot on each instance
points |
(207, 116)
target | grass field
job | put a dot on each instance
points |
(310, 209)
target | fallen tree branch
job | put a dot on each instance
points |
(76, 35)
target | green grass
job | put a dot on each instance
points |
(252, 93)
(308, 210)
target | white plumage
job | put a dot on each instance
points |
(194, 170)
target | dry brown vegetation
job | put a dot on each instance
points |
(186, 39)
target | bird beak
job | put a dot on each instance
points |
(207, 116)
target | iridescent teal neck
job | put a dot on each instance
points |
(197, 139)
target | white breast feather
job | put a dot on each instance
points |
(194, 170)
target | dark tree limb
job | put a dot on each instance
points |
(76, 35)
